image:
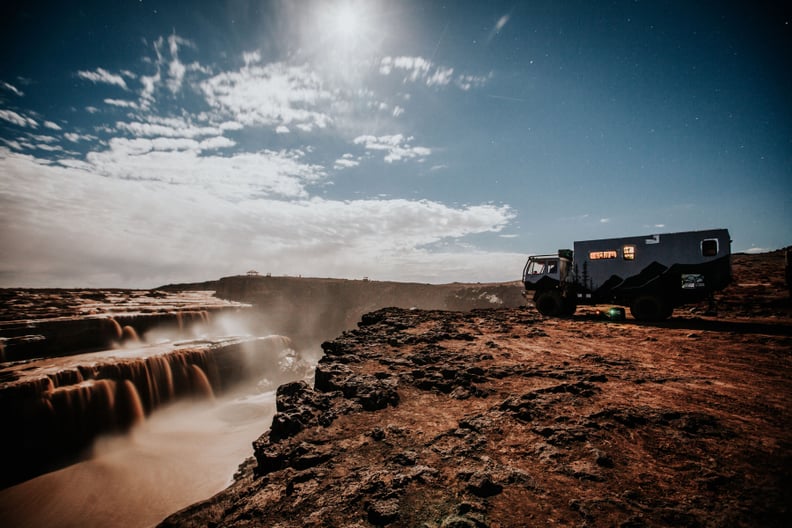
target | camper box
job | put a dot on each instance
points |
(679, 266)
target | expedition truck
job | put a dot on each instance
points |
(650, 274)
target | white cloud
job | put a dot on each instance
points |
(272, 95)
(43, 138)
(51, 125)
(183, 161)
(149, 83)
(414, 67)
(217, 142)
(49, 148)
(466, 82)
(169, 127)
(11, 88)
(121, 103)
(74, 137)
(12, 143)
(397, 147)
(108, 231)
(419, 69)
(440, 77)
(171, 71)
(397, 111)
(604, 220)
(251, 57)
(17, 119)
(231, 125)
(386, 66)
(346, 161)
(502, 21)
(176, 69)
(100, 75)
(91, 109)
(282, 129)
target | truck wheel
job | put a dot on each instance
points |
(549, 302)
(649, 308)
(570, 305)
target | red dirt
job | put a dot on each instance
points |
(502, 418)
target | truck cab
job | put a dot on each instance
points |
(550, 277)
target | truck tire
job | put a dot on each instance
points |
(570, 305)
(650, 308)
(549, 302)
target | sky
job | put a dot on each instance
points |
(145, 143)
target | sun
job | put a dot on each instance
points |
(344, 36)
(347, 22)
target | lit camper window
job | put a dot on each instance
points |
(599, 255)
(628, 252)
(709, 247)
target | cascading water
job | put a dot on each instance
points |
(62, 410)
(179, 455)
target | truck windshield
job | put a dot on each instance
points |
(539, 267)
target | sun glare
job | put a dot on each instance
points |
(347, 22)
(343, 35)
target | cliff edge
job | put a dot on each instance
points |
(501, 418)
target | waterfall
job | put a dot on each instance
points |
(56, 408)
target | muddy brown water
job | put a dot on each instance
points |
(179, 455)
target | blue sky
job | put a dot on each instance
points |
(145, 142)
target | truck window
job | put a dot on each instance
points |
(540, 267)
(709, 247)
(536, 267)
(628, 252)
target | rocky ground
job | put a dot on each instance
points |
(502, 418)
